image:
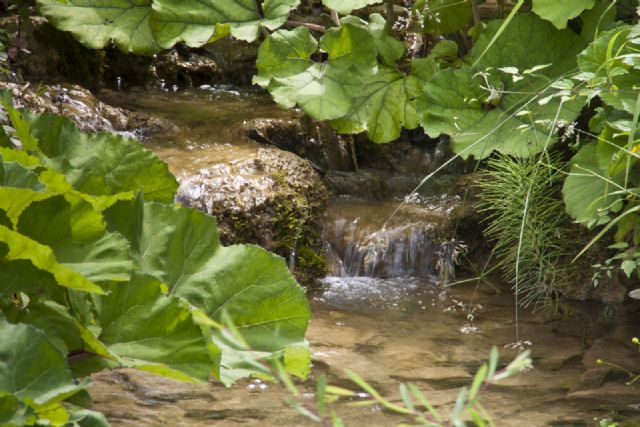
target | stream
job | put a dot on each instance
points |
(381, 313)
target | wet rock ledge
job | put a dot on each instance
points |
(83, 108)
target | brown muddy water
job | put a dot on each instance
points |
(383, 314)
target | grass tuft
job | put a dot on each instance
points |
(527, 222)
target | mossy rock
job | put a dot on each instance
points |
(275, 200)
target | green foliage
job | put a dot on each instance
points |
(95, 24)
(324, 90)
(559, 13)
(196, 22)
(345, 7)
(590, 190)
(610, 67)
(444, 16)
(357, 88)
(415, 404)
(367, 82)
(147, 26)
(492, 105)
(44, 379)
(603, 184)
(526, 221)
(115, 276)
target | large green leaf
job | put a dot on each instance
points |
(351, 88)
(323, 90)
(195, 21)
(485, 109)
(15, 175)
(97, 22)
(283, 54)
(19, 187)
(20, 126)
(444, 16)
(105, 167)
(101, 164)
(31, 367)
(390, 49)
(149, 330)
(77, 236)
(86, 418)
(14, 413)
(50, 317)
(589, 189)
(21, 247)
(560, 12)
(21, 276)
(384, 107)
(181, 247)
(345, 7)
(612, 63)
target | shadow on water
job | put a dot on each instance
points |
(382, 314)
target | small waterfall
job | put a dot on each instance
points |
(357, 245)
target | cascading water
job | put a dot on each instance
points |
(385, 256)
(358, 244)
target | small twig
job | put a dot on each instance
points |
(312, 27)
(354, 157)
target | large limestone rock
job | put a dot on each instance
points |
(275, 200)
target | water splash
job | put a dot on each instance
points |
(356, 245)
(372, 294)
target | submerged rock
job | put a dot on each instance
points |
(609, 397)
(275, 200)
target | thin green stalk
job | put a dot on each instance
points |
(476, 12)
(391, 16)
(497, 35)
(605, 229)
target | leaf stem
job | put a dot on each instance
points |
(391, 17)
(312, 27)
(497, 35)
(78, 355)
(335, 17)
(476, 12)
